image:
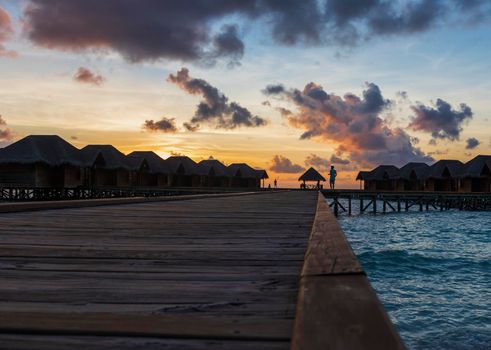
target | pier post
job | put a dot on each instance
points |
(407, 205)
(374, 205)
(420, 205)
(398, 205)
(349, 205)
(384, 206)
(361, 205)
(336, 211)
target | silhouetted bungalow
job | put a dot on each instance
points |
(382, 178)
(311, 175)
(40, 161)
(444, 175)
(212, 173)
(476, 176)
(183, 171)
(412, 177)
(262, 175)
(106, 166)
(242, 175)
(362, 177)
(158, 171)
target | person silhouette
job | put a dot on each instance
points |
(275, 183)
(332, 177)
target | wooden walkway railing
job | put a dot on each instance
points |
(337, 308)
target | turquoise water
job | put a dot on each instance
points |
(432, 272)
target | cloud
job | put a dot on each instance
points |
(215, 108)
(354, 123)
(472, 143)
(166, 125)
(6, 32)
(280, 164)
(338, 160)
(442, 121)
(313, 160)
(5, 133)
(187, 31)
(86, 76)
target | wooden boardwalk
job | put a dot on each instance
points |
(216, 273)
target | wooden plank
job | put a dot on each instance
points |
(342, 312)
(328, 251)
(162, 326)
(50, 342)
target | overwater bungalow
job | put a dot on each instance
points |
(262, 175)
(106, 166)
(412, 177)
(183, 171)
(212, 173)
(40, 161)
(382, 178)
(158, 171)
(311, 175)
(361, 176)
(476, 176)
(242, 175)
(444, 175)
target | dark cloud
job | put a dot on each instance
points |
(472, 143)
(86, 76)
(280, 164)
(186, 30)
(339, 160)
(6, 32)
(442, 121)
(5, 133)
(215, 108)
(313, 160)
(74, 138)
(167, 125)
(354, 123)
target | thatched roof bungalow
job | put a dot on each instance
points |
(262, 175)
(242, 175)
(40, 161)
(382, 178)
(158, 171)
(476, 175)
(212, 173)
(412, 177)
(444, 175)
(183, 171)
(107, 166)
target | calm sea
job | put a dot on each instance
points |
(432, 272)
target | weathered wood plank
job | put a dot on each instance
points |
(341, 312)
(50, 342)
(328, 252)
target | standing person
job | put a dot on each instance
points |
(332, 177)
(275, 183)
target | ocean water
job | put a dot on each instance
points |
(432, 272)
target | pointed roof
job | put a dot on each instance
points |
(181, 165)
(477, 166)
(241, 170)
(49, 149)
(211, 167)
(113, 158)
(446, 168)
(362, 175)
(383, 172)
(156, 165)
(311, 175)
(419, 170)
(262, 174)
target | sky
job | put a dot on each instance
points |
(280, 85)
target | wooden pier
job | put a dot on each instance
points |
(244, 271)
(342, 201)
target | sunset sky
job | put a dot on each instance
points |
(281, 85)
